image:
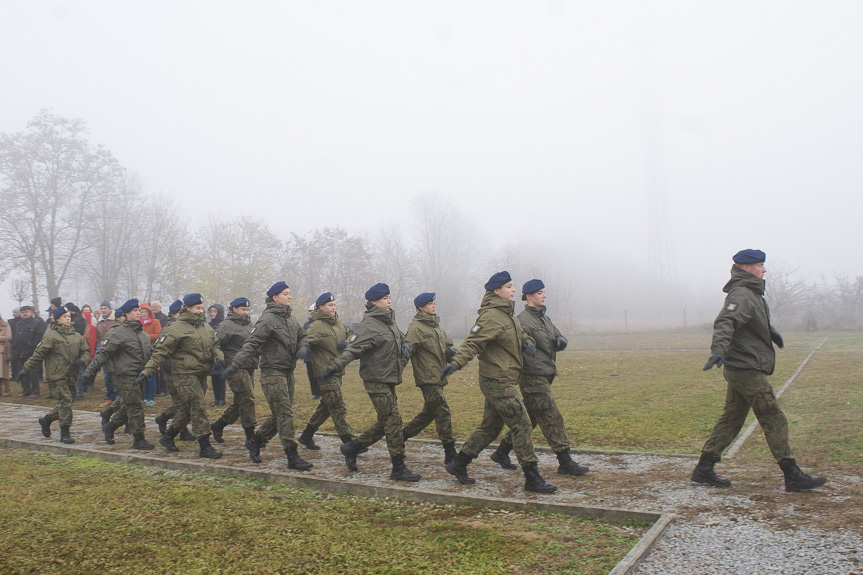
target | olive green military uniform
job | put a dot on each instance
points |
(232, 333)
(118, 403)
(428, 358)
(324, 334)
(192, 346)
(276, 337)
(498, 338)
(378, 343)
(127, 347)
(741, 335)
(168, 378)
(60, 349)
(537, 376)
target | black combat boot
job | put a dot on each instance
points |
(533, 481)
(162, 422)
(448, 452)
(796, 480)
(400, 472)
(66, 438)
(106, 414)
(141, 443)
(350, 451)
(46, 422)
(206, 450)
(347, 439)
(167, 439)
(186, 435)
(458, 468)
(307, 438)
(254, 446)
(501, 456)
(127, 429)
(108, 429)
(250, 432)
(568, 466)
(703, 472)
(217, 427)
(295, 461)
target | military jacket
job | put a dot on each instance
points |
(191, 344)
(126, 346)
(538, 326)
(430, 343)
(741, 331)
(325, 333)
(497, 338)
(61, 347)
(378, 344)
(26, 336)
(232, 333)
(276, 337)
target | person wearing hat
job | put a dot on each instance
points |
(127, 347)
(26, 336)
(168, 376)
(218, 381)
(80, 325)
(327, 337)
(64, 352)
(383, 352)
(500, 342)
(313, 381)
(280, 340)
(535, 382)
(104, 323)
(194, 350)
(431, 349)
(232, 334)
(743, 340)
(53, 304)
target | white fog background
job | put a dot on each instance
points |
(544, 123)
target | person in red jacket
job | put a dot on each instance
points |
(152, 327)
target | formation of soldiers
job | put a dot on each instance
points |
(514, 352)
(517, 366)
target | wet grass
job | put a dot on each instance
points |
(80, 515)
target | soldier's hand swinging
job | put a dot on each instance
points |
(303, 351)
(714, 359)
(448, 370)
(450, 352)
(560, 342)
(82, 364)
(406, 349)
(141, 377)
(342, 346)
(529, 348)
(328, 371)
(218, 364)
(776, 338)
(231, 371)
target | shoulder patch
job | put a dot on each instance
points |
(38, 344)
(104, 342)
(353, 337)
(731, 307)
(476, 328)
(161, 339)
(253, 330)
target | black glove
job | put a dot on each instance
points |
(140, 379)
(328, 371)
(230, 371)
(88, 380)
(82, 364)
(450, 352)
(218, 364)
(303, 352)
(448, 370)
(715, 359)
(529, 348)
(342, 346)
(776, 338)
(560, 342)
(406, 349)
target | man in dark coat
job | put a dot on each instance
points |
(27, 335)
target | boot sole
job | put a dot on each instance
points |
(466, 481)
(311, 446)
(542, 490)
(411, 479)
(168, 446)
(813, 485)
(567, 472)
(147, 447)
(702, 481)
(503, 463)
(210, 456)
(300, 467)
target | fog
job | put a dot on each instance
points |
(565, 124)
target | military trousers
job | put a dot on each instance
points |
(332, 405)
(278, 388)
(435, 408)
(502, 407)
(389, 423)
(168, 378)
(191, 406)
(243, 403)
(749, 389)
(543, 411)
(64, 392)
(131, 411)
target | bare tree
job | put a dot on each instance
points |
(18, 290)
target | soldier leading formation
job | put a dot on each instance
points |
(517, 367)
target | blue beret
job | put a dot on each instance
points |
(241, 302)
(127, 307)
(324, 298)
(749, 257)
(377, 291)
(424, 298)
(175, 307)
(532, 286)
(60, 311)
(497, 280)
(277, 288)
(192, 299)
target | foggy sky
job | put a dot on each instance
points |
(537, 119)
